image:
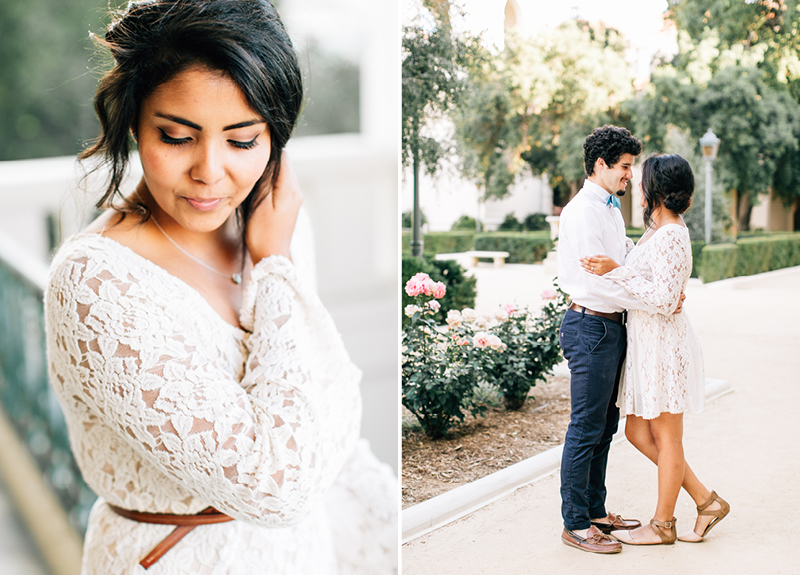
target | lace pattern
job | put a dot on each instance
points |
(664, 363)
(171, 409)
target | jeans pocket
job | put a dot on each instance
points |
(595, 332)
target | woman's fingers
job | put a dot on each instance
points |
(270, 229)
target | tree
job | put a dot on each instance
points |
(758, 125)
(46, 82)
(769, 30)
(533, 104)
(432, 83)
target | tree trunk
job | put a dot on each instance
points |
(744, 209)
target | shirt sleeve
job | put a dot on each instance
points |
(264, 449)
(588, 241)
(671, 258)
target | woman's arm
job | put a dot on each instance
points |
(670, 259)
(264, 449)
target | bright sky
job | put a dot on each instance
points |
(637, 20)
(641, 22)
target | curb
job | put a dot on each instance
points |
(461, 501)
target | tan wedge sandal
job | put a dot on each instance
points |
(717, 514)
(664, 529)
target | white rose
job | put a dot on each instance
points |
(412, 309)
(468, 315)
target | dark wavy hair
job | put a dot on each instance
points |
(667, 180)
(609, 143)
(152, 41)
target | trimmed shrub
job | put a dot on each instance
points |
(441, 242)
(461, 288)
(536, 223)
(449, 242)
(750, 255)
(510, 224)
(522, 247)
(466, 223)
(697, 258)
(718, 262)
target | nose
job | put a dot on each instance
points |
(207, 167)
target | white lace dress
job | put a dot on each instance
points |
(664, 363)
(171, 409)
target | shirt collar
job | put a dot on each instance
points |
(596, 191)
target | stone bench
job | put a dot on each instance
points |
(473, 256)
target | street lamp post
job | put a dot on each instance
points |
(709, 144)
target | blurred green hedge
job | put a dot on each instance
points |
(750, 255)
(522, 247)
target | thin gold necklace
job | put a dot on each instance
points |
(235, 278)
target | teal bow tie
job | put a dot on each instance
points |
(613, 201)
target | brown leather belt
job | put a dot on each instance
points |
(613, 316)
(184, 523)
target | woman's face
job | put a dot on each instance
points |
(202, 148)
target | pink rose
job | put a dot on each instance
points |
(549, 294)
(434, 305)
(463, 342)
(438, 290)
(509, 308)
(417, 284)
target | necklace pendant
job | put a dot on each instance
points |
(236, 278)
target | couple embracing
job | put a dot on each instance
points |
(650, 366)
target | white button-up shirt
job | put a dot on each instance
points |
(589, 227)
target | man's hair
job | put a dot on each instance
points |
(609, 143)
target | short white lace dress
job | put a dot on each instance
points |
(664, 363)
(171, 409)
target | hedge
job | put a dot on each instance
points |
(717, 262)
(750, 255)
(522, 247)
(442, 242)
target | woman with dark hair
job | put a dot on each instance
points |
(210, 402)
(664, 365)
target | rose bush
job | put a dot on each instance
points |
(440, 364)
(531, 348)
(443, 364)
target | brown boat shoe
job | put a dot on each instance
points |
(595, 541)
(616, 523)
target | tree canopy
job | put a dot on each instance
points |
(533, 104)
(736, 73)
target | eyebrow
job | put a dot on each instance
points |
(185, 122)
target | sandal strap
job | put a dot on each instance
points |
(664, 524)
(711, 500)
(668, 537)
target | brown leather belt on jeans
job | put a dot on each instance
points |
(184, 524)
(613, 316)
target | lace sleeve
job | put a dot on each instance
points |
(264, 449)
(669, 261)
(629, 245)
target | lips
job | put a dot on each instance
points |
(204, 205)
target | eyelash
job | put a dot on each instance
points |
(181, 141)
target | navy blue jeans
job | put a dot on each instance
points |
(595, 349)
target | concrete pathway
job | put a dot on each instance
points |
(744, 445)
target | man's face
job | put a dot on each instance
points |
(614, 179)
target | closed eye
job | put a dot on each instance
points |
(244, 145)
(172, 141)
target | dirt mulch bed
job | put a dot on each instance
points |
(484, 445)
